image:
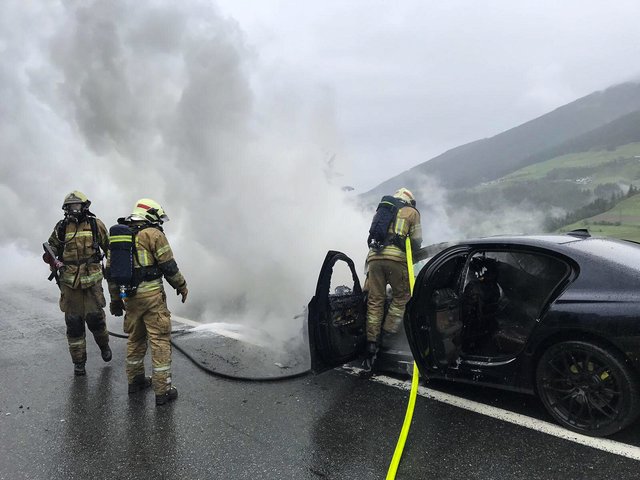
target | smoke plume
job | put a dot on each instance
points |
(124, 100)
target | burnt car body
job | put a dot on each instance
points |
(556, 316)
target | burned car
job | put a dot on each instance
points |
(556, 316)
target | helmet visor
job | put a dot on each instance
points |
(73, 208)
(155, 214)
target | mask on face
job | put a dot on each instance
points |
(73, 211)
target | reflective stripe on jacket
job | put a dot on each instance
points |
(82, 268)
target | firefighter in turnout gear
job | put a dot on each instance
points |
(79, 241)
(147, 318)
(387, 265)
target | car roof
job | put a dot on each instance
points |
(622, 253)
(578, 243)
(545, 241)
(528, 240)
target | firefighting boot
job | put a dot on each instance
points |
(78, 369)
(140, 382)
(106, 353)
(386, 339)
(370, 359)
(168, 396)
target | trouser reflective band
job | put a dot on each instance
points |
(77, 349)
(161, 378)
(134, 367)
(394, 318)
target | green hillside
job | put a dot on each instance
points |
(586, 168)
(622, 221)
(567, 182)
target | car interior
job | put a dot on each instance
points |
(489, 304)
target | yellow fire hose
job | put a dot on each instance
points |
(397, 454)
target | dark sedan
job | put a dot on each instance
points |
(555, 315)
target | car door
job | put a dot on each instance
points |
(337, 320)
(432, 319)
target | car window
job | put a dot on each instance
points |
(341, 280)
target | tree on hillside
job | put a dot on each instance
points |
(598, 206)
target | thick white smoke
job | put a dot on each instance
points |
(164, 99)
(124, 100)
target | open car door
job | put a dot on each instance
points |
(337, 320)
(432, 319)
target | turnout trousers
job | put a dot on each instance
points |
(147, 318)
(385, 272)
(80, 306)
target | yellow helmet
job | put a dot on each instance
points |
(150, 210)
(406, 195)
(76, 197)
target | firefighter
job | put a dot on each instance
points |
(147, 317)
(388, 266)
(80, 241)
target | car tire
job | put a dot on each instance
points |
(588, 388)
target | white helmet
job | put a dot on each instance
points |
(406, 195)
(149, 210)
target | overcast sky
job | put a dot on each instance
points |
(406, 80)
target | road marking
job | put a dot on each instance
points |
(606, 445)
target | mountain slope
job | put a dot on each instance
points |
(622, 221)
(621, 131)
(557, 186)
(571, 126)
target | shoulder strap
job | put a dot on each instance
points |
(135, 231)
(94, 230)
(94, 235)
(61, 229)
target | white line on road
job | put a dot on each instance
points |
(610, 446)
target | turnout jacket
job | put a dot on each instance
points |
(407, 223)
(80, 252)
(153, 250)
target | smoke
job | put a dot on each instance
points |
(125, 100)
(441, 222)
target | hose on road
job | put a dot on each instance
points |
(216, 373)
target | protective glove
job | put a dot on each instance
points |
(184, 292)
(116, 307)
(46, 258)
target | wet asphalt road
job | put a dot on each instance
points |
(334, 426)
